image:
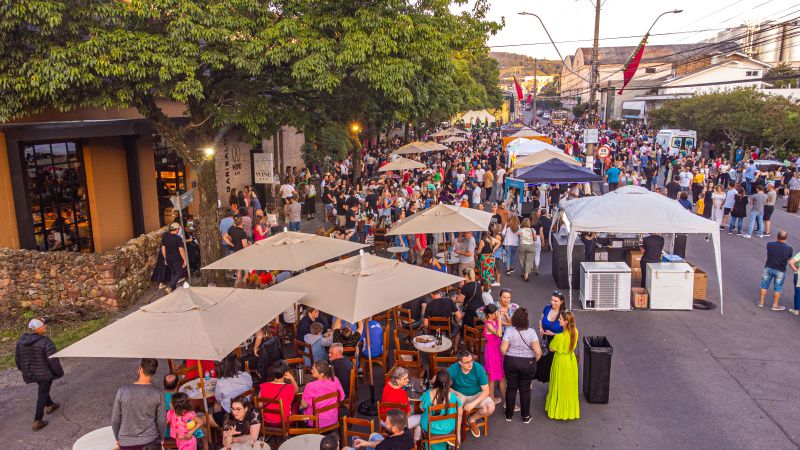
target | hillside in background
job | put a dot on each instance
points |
(523, 65)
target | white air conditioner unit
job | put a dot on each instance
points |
(605, 286)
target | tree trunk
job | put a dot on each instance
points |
(207, 231)
(356, 158)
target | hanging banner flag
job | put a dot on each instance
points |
(629, 69)
(518, 88)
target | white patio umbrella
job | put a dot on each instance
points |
(443, 219)
(402, 164)
(453, 139)
(413, 148)
(364, 285)
(435, 146)
(202, 323)
(443, 133)
(289, 250)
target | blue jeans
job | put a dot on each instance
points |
(747, 187)
(796, 294)
(770, 276)
(294, 226)
(738, 221)
(753, 217)
(511, 256)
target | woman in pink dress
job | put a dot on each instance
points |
(492, 357)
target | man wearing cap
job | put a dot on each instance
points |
(32, 357)
(174, 255)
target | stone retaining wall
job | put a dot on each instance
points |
(32, 280)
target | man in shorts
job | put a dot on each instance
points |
(471, 385)
(778, 255)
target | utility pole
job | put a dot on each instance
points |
(594, 76)
(535, 89)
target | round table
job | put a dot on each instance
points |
(396, 250)
(100, 439)
(431, 350)
(302, 442)
(257, 445)
(192, 388)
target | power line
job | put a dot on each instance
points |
(604, 39)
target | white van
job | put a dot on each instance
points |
(673, 140)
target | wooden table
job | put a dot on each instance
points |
(302, 442)
(431, 350)
(100, 439)
(397, 249)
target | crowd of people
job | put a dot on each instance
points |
(516, 352)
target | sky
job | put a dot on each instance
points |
(574, 20)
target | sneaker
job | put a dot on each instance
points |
(796, 312)
(730, 232)
(778, 308)
(508, 272)
(512, 270)
(747, 236)
(526, 419)
(761, 235)
(495, 284)
(51, 408)
(766, 235)
(517, 408)
(508, 419)
(39, 424)
(759, 304)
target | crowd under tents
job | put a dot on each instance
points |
(634, 209)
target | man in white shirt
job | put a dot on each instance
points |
(479, 173)
(476, 195)
(685, 180)
(287, 190)
(499, 180)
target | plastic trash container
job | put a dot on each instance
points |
(597, 353)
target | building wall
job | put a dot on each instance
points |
(716, 75)
(9, 236)
(147, 178)
(109, 196)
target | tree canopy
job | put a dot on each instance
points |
(741, 116)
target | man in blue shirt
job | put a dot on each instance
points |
(749, 176)
(612, 177)
(375, 339)
(472, 387)
(224, 226)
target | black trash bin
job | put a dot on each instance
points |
(596, 368)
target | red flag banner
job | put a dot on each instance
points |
(519, 89)
(629, 69)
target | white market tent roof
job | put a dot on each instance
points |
(481, 115)
(634, 209)
(533, 146)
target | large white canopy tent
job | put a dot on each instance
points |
(533, 146)
(482, 116)
(634, 209)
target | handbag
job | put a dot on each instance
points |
(544, 364)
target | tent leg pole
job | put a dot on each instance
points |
(207, 417)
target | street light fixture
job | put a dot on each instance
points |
(525, 13)
(355, 127)
(674, 11)
(209, 152)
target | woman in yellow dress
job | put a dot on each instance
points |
(562, 396)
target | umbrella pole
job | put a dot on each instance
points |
(368, 407)
(207, 417)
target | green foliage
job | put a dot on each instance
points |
(741, 116)
(783, 69)
(616, 124)
(525, 63)
(332, 144)
(580, 109)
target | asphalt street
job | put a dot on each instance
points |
(693, 379)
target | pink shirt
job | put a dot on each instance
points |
(318, 388)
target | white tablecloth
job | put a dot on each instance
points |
(100, 439)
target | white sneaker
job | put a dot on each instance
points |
(495, 284)
(747, 236)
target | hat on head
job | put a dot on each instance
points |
(36, 323)
(175, 226)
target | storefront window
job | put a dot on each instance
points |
(170, 178)
(59, 202)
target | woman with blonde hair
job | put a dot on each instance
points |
(562, 397)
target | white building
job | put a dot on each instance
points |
(770, 41)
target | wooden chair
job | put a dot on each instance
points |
(381, 360)
(473, 340)
(301, 419)
(384, 407)
(383, 318)
(272, 406)
(442, 362)
(452, 437)
(407, 358)
(321, 409)
(439, 324)
(483, 423)
(403, 324)
(348, 432)
(303, 350)
(350, 400)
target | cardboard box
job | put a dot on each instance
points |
(602, 255)
(700, 284)
(639, 298)
(636, 274)
(634, 258)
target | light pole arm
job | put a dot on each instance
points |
(523, 13)
(674, 11)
